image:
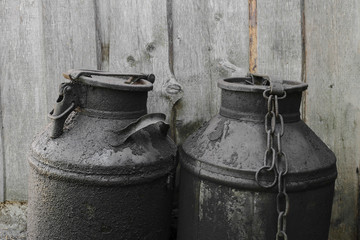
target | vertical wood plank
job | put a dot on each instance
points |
(42, 39)
(3, 12)
(139, 42)
(102, 23)
(279, 38)
(69, 41)
(211, 41)
(333, 100)
(22, 88)
(2, 155)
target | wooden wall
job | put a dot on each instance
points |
(188, 45)
(333, 100)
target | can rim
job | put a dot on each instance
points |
(239, 84)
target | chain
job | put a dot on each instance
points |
(275, 166)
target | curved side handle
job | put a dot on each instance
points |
(65, 104)
(141, 123)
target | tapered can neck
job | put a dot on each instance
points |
(112, 97)
(242, 100)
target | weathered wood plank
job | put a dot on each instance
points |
(69, 34)
(279, 38)
(333, 110)
(2, 160)
(139, 42)
(102, 23)
(3, 12)
(211, 41)
(22, 88)
(41, 40)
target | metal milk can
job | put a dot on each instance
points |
(256, 170)
(103, 169)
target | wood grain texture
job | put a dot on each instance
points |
(2, 155)
(102, 23)
(69, 41)
(333, 100)
(188, 45)
(42, 39)
(139, 42)
(211, 41)
(279, 39)
(22, 88)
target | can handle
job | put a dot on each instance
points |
(65, 104)
(141, 123)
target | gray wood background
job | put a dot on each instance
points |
(188, 45)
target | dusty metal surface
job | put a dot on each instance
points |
(90, 182)
(219, 197)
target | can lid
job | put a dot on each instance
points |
(112, 80)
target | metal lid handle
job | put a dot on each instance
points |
(74, 74)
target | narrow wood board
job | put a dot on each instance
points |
(211, 41)
(333, 99)
(139, 42)
(69, 41)
(22, 89)
(279, 39)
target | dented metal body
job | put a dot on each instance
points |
(108, 172)
(219, 197)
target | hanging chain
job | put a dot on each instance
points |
(275, 166)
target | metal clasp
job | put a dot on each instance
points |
(275, 90)
(258, 79)
(65, 104)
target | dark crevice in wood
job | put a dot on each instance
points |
(97, 35)
(303, 56)
(2, 157)
(172, 119)
(2, 149)
(102, 47)
(253, 36)
(357, 232)
(169, 16)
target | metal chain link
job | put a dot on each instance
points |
(275, 165)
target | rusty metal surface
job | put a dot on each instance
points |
(219, 197)
(83, 186)
(253, 36)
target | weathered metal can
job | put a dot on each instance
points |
(227, 190)
(103, 169)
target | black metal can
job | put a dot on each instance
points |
(103, 169)
(256, 170)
